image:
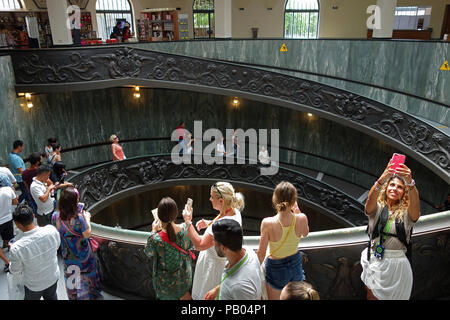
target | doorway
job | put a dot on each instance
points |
(446, 23)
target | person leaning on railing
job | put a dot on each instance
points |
(209, 266)
(387, 272)
(282, 233)
(169, 250)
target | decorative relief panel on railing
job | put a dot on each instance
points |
(97, 184)
(35, 70)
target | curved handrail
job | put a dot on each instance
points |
(345, 179)
(98, 144)
(100, 185)
(318, 239)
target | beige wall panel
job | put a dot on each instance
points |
(255, 15)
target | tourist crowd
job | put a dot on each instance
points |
(224, 270)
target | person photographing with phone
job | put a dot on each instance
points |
(74, 226)
(169, 247)
(392, 207)
(209, 266)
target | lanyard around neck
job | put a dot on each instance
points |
(215, 219)
(231, 272)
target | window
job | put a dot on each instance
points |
(111, 11)
(301, 19)
(412, 18)
(10, 4)
(203, 12)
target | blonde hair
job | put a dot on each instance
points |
(112, 138)
(284, 196)
(399, 209)
(231, 198)
(300, 290)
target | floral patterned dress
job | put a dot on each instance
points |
(172, 270)
(78, 260)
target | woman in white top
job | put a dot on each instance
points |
(389, 276)
(220, 149)
(209, 266)
(263, 156)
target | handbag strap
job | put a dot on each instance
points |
(165, 237)
(71, 230)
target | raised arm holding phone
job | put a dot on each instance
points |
(392, 207)
(209, 267)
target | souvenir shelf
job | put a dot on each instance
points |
(158, 25)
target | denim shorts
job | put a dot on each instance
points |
(282, 271)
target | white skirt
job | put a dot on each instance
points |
(390, 278)
(208, 273)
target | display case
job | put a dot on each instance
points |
(86, 31)
(158, 25)
(183, 26)
(13, 19)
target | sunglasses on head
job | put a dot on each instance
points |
(217, 188)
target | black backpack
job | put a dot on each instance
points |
(400, 229)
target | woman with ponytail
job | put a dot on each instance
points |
(209, 267)
(282, 234)
(169, 248)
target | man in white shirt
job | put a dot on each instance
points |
(7, 198)
(33, 258)
(241, 279)
(41, 191)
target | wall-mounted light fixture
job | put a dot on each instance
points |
(235, 102)
(28, 99)
(137, 93)
(310, 115)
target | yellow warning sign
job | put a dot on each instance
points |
(283, 48)
(445, 66)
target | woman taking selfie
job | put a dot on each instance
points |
(172, 267)
(392, 207)
(209, 267)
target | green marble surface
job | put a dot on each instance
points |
(408, 66)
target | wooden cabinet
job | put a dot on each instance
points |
(158, 25)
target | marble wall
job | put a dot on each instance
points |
(407, 66)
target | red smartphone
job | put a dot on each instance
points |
(396, 160)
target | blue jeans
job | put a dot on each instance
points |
(282, 271)
(24, 193)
